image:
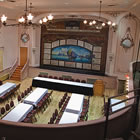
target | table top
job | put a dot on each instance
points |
(6, 88)
(69, 118)
(118, 106)
(75, 103)
(18, 113)
(36, 96)
(65, 82)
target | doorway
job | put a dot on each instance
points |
(23, 55)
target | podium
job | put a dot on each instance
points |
(99, 88)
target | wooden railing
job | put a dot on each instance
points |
(13, 68)
(24, 71)
(4, 71)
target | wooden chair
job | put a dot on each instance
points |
(77, 80)
(19, 98)
(83, 81)
(2, 111)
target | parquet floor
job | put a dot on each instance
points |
(95, 108)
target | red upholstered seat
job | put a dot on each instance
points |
(2, 110)
(11, 104)
(55, 77)
(50, 76)
(60, 78)
(77, 80)
(72, 79)
(22, 95)
(7, 107)
(19, 98)
(83, 81)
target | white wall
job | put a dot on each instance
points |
(9, 42)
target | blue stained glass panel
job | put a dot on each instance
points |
(72, 53)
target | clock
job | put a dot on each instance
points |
(25, 37)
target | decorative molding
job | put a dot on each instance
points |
(74, 30)
(113, 13)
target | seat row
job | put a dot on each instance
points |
(44, 102)
(30, 117)
(10, 93)
(54, 117)
(24, 94)
(61, 78)
(4, 110)
(84, 113)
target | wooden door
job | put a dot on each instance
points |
(1, 59)
(23, 55)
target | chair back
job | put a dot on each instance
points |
(7, 107)
(2, 110)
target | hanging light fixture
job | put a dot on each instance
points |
(99, 24)
(26, 19)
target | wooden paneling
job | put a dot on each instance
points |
(23, 55)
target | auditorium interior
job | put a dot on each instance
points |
(69, 69)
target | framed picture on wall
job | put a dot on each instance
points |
(127, 42)
(25, 37)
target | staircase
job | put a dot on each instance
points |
(17, 74)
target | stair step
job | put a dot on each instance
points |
(15, 79)
(16, 73)
(15, 76)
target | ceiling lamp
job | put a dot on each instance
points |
(99, 24)
(26, 19)
(46, 20)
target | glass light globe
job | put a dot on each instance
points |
(3, 18)
(109, 22)
(21, 20)
(40, 21)
(85, 21)
(103, 24)
(90, 23)
(94, 21)
(50, 17)
(45, 19)
(113, 24)
(30, 16)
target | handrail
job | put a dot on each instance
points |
(4, 69)
(13, 68)
(24, 69)
(136, 103)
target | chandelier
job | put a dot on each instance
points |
(26, 19)
(98, 23)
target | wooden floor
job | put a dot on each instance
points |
(95, 108)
